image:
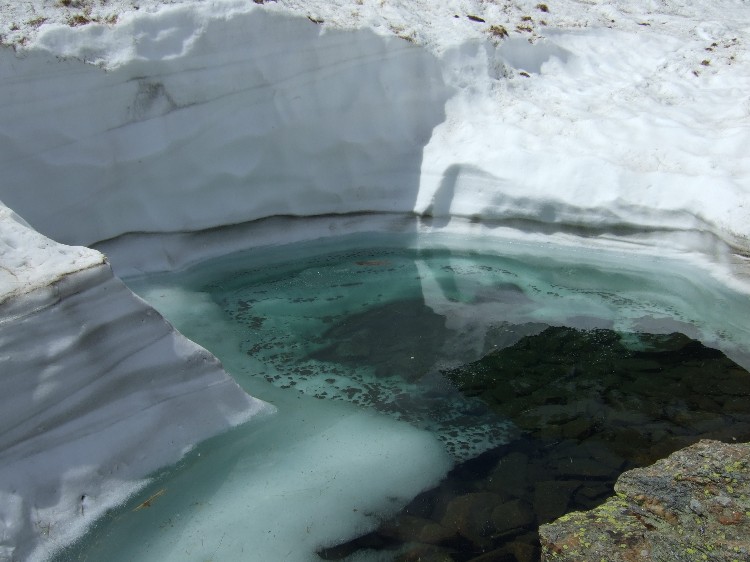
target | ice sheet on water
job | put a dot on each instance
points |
(316, 474)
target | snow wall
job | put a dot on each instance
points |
(203, 118)
(198, 116)
(88, 372)
(207, 114)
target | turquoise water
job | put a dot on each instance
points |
(351, 339)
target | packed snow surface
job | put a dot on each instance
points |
(145, 126)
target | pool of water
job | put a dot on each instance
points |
(533, 373)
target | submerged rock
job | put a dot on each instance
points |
(640, 396)
(383, 336)
(591, 404)
(693, 505)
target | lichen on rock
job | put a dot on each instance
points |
(693, 505)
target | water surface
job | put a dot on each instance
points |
(370, 347)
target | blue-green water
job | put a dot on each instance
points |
(351, 340)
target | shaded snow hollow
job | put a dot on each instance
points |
(121, 118)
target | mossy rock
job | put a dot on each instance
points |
(693, 505)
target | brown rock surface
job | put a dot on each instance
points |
(693, 505)
(471, 516)
(408, 528)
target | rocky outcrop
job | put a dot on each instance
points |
(693, 505)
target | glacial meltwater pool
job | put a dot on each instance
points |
(531, 375)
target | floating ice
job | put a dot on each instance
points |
(317, 474)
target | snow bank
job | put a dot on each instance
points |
(209, 115)
(599, 129)
(616, 117)
(88, 372)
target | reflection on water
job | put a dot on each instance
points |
(378, 326)
(543, 372)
